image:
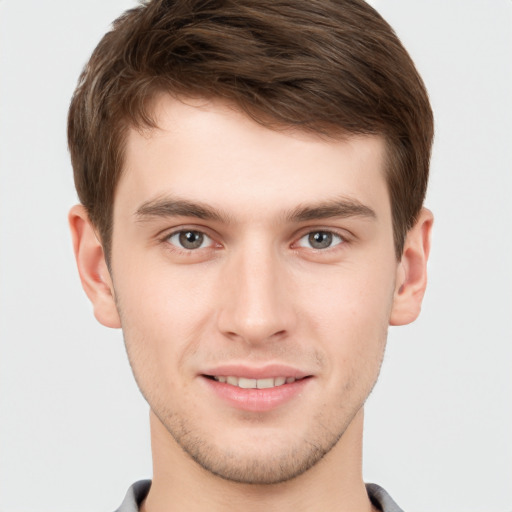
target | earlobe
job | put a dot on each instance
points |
(92, 267)
(411, 279)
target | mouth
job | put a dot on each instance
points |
(257, 389)
(247, 383)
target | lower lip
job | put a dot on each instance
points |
(257, 400)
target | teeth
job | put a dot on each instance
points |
(265, 383)
(247, 383)
(244, 383)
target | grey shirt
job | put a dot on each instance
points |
(139, 490)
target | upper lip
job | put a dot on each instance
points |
(255, 372)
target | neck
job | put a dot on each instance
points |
(334, 484)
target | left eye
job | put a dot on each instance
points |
(189, 240)
(320, 240)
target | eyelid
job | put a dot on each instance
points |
(168, 231)
(164, 235)
(344, 234)
(337, 240)
(206, 242)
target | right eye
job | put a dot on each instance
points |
(189, 240)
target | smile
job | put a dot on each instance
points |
(259, 390)
(245, 383)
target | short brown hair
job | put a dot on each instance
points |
(327, 66)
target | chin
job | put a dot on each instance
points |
(259, 457)
(258, 470)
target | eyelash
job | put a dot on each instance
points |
(342, 239)
(332, 235)
(175, 247)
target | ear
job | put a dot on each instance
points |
(411, 279)
(92, 267)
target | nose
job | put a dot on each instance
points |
(257, 303)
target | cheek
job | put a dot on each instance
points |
(349, 315)
(163, 315)
(349, 297)
(158, 295)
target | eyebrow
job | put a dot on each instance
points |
(175, 207)
(339, 208)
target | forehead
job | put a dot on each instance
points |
(208, 151)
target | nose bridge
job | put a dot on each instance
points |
(256, 307)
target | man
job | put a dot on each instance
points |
(251, 177)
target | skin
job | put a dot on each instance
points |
(258, 290)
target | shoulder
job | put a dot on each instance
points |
(381, 499)
(139, 490)
(135, 496)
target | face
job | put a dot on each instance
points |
(254, 274)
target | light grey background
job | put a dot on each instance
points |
(73, 428)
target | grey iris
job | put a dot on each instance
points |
(191, 239)
(320, 239)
